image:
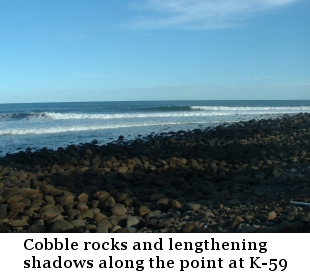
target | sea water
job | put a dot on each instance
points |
(54, 125)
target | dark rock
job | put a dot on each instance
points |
(85, 214)
(144, 210)
(19, 223)
(30, 193)
(48, 212)
(82, 206)
(119, 209)
(108, 202)
(174, 204)
(104, 223)
(83, 198)
(38, 227)
(132, 221)
(60, 226)
(236, 221)
(153, 214)
(17, 206)
(192, 206)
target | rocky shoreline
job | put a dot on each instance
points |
(231, 178)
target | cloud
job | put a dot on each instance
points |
(198, 14)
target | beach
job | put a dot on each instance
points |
(238, 177)
(32, 126)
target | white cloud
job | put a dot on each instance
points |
(198, 14)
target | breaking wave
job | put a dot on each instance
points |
(178, 111)
(80, 128)
(253, 109)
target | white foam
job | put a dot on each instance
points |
(201, 111)
(253, 109)
(73, 116)
(81, 128)
(197, 111)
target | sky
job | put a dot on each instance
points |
(103, 50)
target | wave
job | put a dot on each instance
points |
(252, 109)
(82, 128)
(19, 116)
(180, 108)
(179, 111)
(75, 116)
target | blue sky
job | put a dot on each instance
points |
(101, 50)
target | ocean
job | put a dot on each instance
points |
(32, 126)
